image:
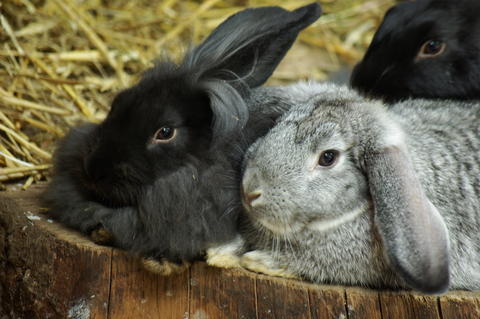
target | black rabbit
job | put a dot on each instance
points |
(424, 49)
(160, 175)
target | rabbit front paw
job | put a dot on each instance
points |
(262, 262)
(225, 256)
(101, 236)
(164, 267)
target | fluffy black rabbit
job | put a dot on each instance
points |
(424, 48)
(160, 176)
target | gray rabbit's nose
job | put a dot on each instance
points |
(251, 188)
(252, 198)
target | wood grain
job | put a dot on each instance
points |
(49, 272)
(136, 293)
(281, 298)
(221, 293)
(459, 305)
(363, 304)
(408, 306)
(327, 303)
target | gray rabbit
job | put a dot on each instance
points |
(344, 190)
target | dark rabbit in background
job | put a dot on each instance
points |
(160, 175)
(424, 49)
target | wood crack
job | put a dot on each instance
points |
(109, 300)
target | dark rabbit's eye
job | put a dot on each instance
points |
(328, 158)
(431, 48)
(164, 135)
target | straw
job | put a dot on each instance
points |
(62, 61)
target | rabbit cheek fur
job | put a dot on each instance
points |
(396, 210)
(391, 68)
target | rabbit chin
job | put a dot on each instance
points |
(283, 227)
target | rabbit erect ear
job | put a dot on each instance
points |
(246, 48)
(241, 54)
(413, 232)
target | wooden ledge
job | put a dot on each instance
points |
(47, 271)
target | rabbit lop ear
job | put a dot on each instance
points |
(248, 46)
(413, 232)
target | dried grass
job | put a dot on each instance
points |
(61, 61)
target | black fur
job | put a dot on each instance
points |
(175, 200)
(389, 69)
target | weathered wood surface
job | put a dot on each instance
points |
(47, 271)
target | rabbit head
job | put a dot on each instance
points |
(330, 160)
(152, 129)
(424, 48)
(179, 115)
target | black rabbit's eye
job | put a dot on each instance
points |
(164, 135)
(328, 158)
(431, 48)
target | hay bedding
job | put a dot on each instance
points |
(62, 61)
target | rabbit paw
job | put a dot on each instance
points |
(225, 256)
(164, 267)
(101, 236)
(262, 262)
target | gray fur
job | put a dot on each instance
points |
(410, 172)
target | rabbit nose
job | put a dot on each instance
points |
(251, 187)
(252, 197)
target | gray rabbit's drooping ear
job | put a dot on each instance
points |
(413, 232)
(249, 45)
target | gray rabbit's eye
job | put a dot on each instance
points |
(431, 48)
(328, 158)
(164, 135)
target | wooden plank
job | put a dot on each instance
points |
(217, 293)
(137, 293)
(282, 298)
(48, 271)
(404, 305)
(327, 303)
(363, 304)
(460, 305)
